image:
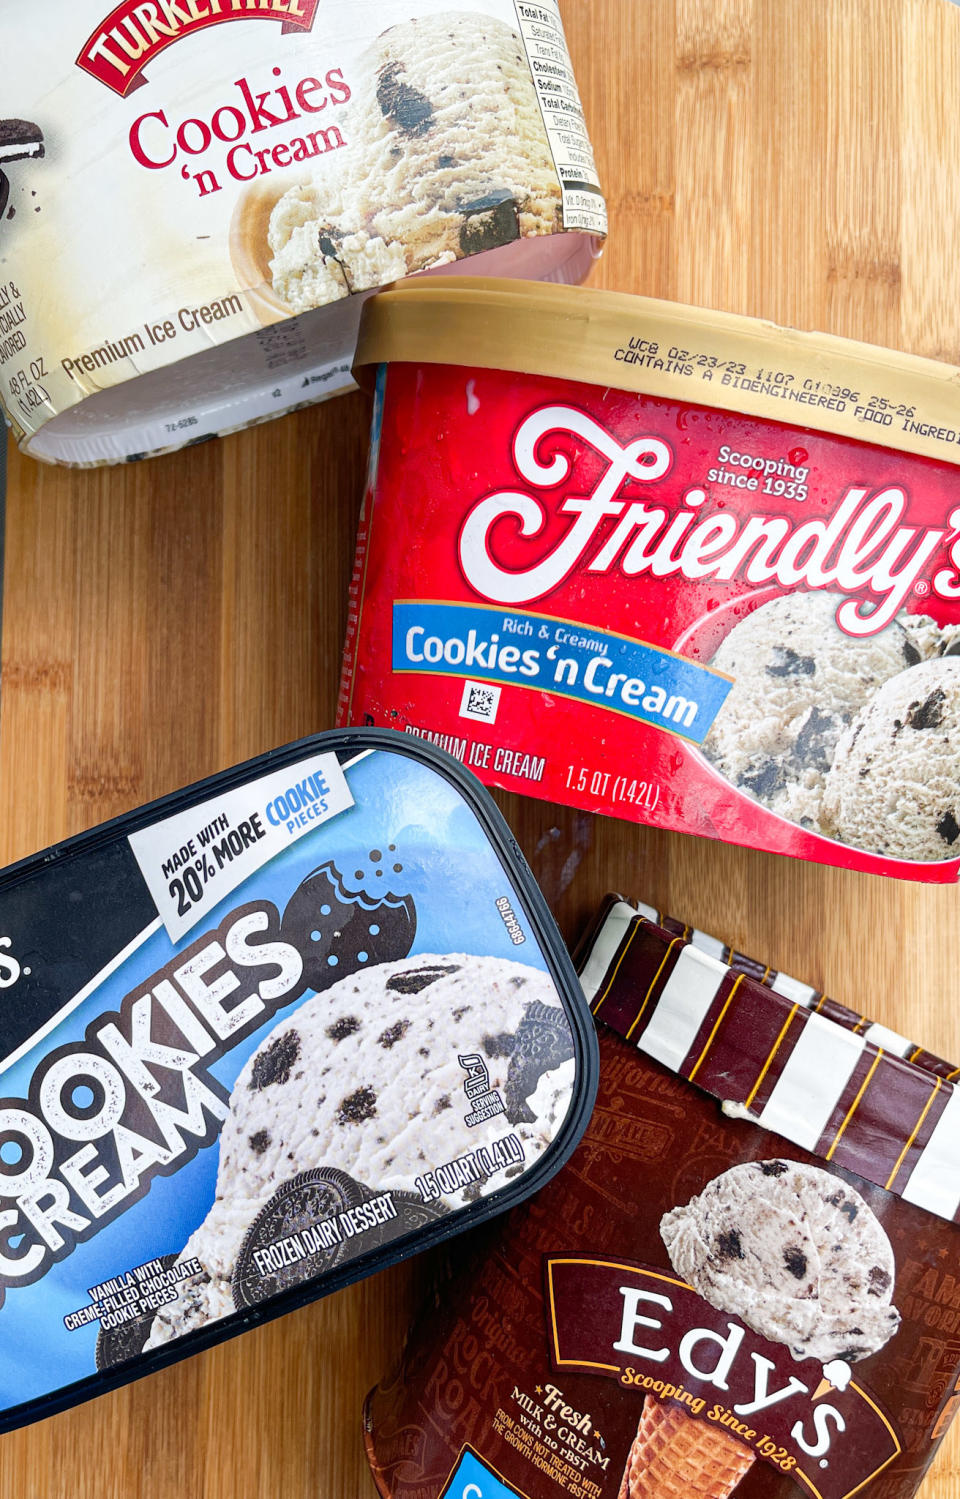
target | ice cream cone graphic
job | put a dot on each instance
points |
(674, 1454)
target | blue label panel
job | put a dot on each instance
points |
(473, 1480)
(554, 656)
(441, 869)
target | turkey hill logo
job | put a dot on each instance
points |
(136, 30)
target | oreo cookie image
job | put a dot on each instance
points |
(20, 140)
(339, 930)
(313, 1224)
(115, 1345)
(543, 1042)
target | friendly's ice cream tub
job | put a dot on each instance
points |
(672, 565)
(192, 211)
(260, 1039)
(744, 1280)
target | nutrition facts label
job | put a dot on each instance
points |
(542, 32)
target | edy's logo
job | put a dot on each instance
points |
(654, 1336)
(136, 30)
(862, 549)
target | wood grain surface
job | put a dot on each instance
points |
(795, 159)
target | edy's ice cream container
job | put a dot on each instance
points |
(675, 566)
(743, 1282)
(191, 211)
(260, 1039)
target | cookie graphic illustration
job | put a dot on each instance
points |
(338, 930)
(543, 1042)
(20, 140)
(296, 1235)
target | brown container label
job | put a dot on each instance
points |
(516, 1369)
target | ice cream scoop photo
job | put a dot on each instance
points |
(446, 154)
(814, 727)
(392, 1072)
(794, 1252)
(894, 785)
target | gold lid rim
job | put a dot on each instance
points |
(905, 402)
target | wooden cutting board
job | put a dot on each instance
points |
(795, 159)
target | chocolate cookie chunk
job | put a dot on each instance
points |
(275, 1062)
(415, 980)
(401, 104)
(489, 221)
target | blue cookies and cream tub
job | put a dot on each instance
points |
(192, 211)
(260, 1039)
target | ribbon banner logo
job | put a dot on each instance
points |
(135, 31)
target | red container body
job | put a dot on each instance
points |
(547, 570)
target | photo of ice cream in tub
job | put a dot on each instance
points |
(853, 738)
(445, 155)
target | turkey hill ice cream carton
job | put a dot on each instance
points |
(260, 1039)
(675, 566)
(195, 196)
(744, 1282)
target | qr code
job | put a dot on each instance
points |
(480, 701)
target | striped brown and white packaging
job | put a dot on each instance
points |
(745, 1281)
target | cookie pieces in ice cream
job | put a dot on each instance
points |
(367, 1086)
(798, 681)
(895, 784)
(447, 154)
(370, 1080)
(792, 1251)
(318, 256)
